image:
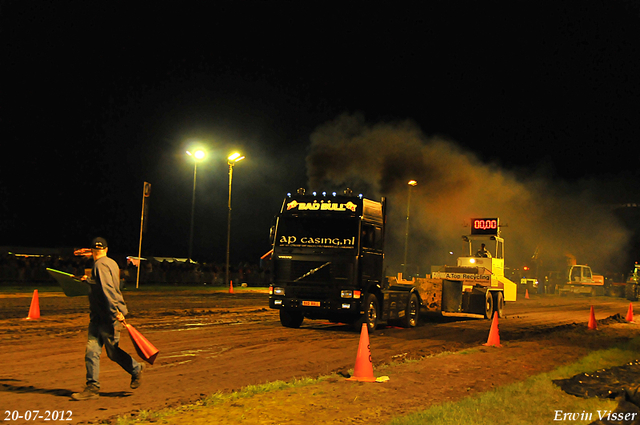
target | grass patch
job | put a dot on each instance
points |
(218, 398)
(252, 390)
(533, 401)
(402, 360)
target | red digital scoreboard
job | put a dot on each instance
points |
(484, 226)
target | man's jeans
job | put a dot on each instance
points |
(99, 335)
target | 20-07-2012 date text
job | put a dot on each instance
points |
(38, 415)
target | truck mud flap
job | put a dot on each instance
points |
(451, 295)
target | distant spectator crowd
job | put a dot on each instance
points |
(185, 273)
(18, 269)
(21, 269)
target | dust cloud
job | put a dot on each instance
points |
(539, 216)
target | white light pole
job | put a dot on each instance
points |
(411, 184)
(198, 156)
(232, 160)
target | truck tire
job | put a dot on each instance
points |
(291, 319)
(370, 316)
(498, 303)
(488, 305)
(412, 313)
(630, 292)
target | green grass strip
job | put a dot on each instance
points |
(533, 401)
(219, 398)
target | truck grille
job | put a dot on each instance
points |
(312, 275)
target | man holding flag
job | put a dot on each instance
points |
(107, 311)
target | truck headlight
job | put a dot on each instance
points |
(346, 293)
(346, 305)
(278, 291)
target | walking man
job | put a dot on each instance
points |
(107, 311)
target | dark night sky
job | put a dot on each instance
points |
(96, 99)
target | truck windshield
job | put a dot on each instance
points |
(317, 232)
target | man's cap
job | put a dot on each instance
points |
(98, 243)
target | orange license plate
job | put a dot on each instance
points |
(311, 303)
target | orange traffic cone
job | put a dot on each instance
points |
(593, 325)
(34, 310)
(363, 371)
(629, 317)
(494, 337)
(526, 294)
(231, 286)
(143, 347)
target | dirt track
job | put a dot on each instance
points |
(212, 342)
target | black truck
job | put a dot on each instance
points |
(327, 263)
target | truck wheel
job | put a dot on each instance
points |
(498, 303)
(370, 316)
(488, 305)
(412, 313)
(630, 292)
(291, 319)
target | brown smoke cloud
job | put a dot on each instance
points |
(453, 186)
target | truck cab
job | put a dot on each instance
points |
(328, 253)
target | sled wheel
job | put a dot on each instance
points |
(488, 305)
(498, 303)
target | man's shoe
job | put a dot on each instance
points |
(136, 380)
(91, 392)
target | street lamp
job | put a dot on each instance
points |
(198, 156)
(411, 184)
(232, 160)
